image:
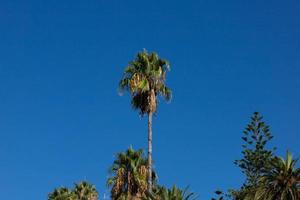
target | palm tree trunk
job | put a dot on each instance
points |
(150, 151)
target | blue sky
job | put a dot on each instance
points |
(61, 119)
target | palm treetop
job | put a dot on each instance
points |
(129, 159)
(288, 164)
(62, 193)
(85, 191)
(145, 79)
(174, 193)
(81, 191)
(128, 175)
(282, 182)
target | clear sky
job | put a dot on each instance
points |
(61, 119)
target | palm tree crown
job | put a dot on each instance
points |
(129, 175)
(82, 191)
(85, 191)
(145, 78)
(282, 182)
(174, 193)
(62, 193)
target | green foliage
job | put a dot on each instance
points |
(220, 195)
(145, 78)
(175, 193)
(85, 191)
(82, 191)
(62, 193)
(129, 175)
(257, 159)
(267, 177)
(280, 183)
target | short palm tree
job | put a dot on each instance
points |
(85, 191)
(62, 193)
(129, 175)
(145, 79)
(174, 193)
(282, 182)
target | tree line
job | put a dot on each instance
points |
(268, 177)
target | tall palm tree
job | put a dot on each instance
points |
(62, 193)
(129, 175)
(85, 191)
(282, 182)
(145, 79)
